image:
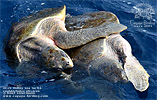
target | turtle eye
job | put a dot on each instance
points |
(67, 63)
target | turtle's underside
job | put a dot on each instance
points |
(41, 38)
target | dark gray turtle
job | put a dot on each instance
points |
(109, 57)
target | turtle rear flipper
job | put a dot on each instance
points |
(136, 74)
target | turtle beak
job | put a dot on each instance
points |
(69, 64)
(68, 69)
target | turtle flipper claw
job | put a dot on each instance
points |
(136, 74)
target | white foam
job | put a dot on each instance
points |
(46, 80)
(42, 3)
(43, 72)
(128, 3)
(28, 8)
(144, 30)
(135, 7)
(52, 80)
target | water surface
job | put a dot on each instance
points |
(142, 40)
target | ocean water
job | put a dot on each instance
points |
(142, 39)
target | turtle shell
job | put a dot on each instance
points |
(89, 20)
(97, 56)
(91, 50)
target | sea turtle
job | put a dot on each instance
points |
(41, 37)
(109, 57)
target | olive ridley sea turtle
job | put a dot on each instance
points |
(109, 57)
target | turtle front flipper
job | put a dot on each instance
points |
(136, 74)
(66, 40)
(44, 52)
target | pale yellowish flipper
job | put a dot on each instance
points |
(136, 74)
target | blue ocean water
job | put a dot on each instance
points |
(142, 39)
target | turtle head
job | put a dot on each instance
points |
(55, 58)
